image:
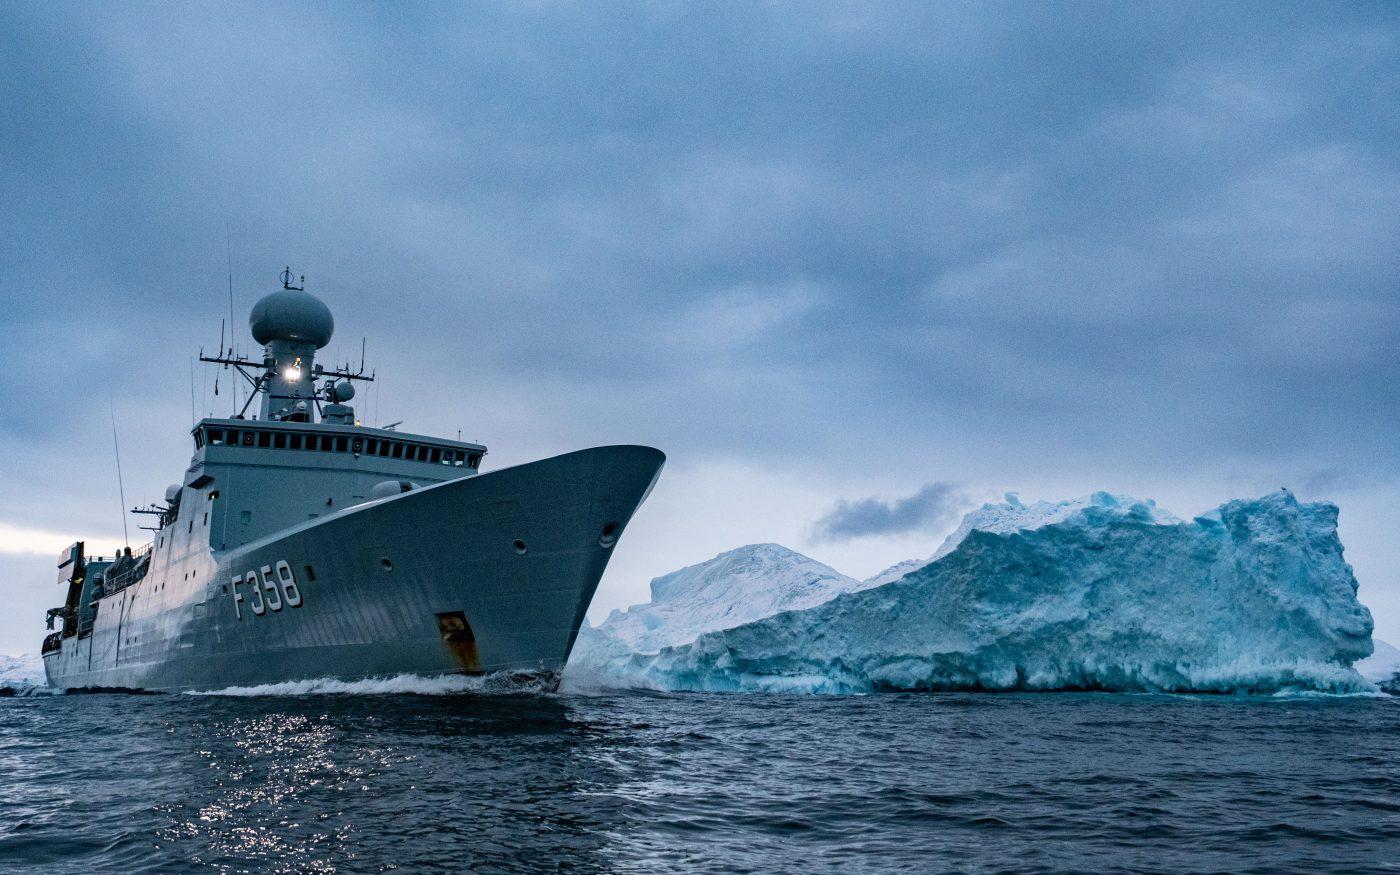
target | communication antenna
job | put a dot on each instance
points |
(116, 450)
(287, 281)
(228, 242)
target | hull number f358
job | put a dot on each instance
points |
(268, 590)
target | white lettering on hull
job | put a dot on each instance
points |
(270, 590)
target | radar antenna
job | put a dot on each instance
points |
(288, 376)
(287, 280)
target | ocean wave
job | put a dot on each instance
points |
(404, 684)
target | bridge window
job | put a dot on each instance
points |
(371, 446)
(473, 460)
(264, 438)
(398, 451)
(216, 436)
(279, 440)
(437, 455)
(341, 443)
(231, 436)
(295, 441)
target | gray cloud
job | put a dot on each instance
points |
(1105, 241)
(932, 506)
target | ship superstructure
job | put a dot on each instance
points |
(302, 544)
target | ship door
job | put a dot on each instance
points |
(460, 640)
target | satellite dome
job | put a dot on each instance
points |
(291, 315)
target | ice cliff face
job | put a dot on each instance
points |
(1110, 594)
(1014, 515)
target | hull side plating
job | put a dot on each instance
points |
(491, 573)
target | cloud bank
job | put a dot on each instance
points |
(935, 505)
(1144, 248)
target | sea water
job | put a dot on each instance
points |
(373, 778)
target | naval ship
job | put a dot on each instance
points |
(301, 544)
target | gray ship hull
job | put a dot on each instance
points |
(485, 574)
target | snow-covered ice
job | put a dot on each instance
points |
(1103, 593)
(732, 589)
(1013, 515)
(1382, 667)
(729, 590)
(22, 675)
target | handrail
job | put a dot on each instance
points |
(140, 564)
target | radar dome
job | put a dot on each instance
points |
(291, 315)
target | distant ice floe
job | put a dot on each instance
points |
(1101, 593)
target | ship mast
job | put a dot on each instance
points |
(292, 325)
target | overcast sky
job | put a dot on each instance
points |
(855, 268)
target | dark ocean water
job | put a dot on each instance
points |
(654, 782)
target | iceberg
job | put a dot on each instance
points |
(21, 675)
(1107, 593)
(729, 590)
(1382, 667)
(1014, 515)
(732, 589)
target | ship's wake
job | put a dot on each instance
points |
(21, 690)
(503, 683)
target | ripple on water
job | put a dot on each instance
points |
(330, 778)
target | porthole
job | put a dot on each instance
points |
(608, 536)
(386, 564)
(519, 546)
